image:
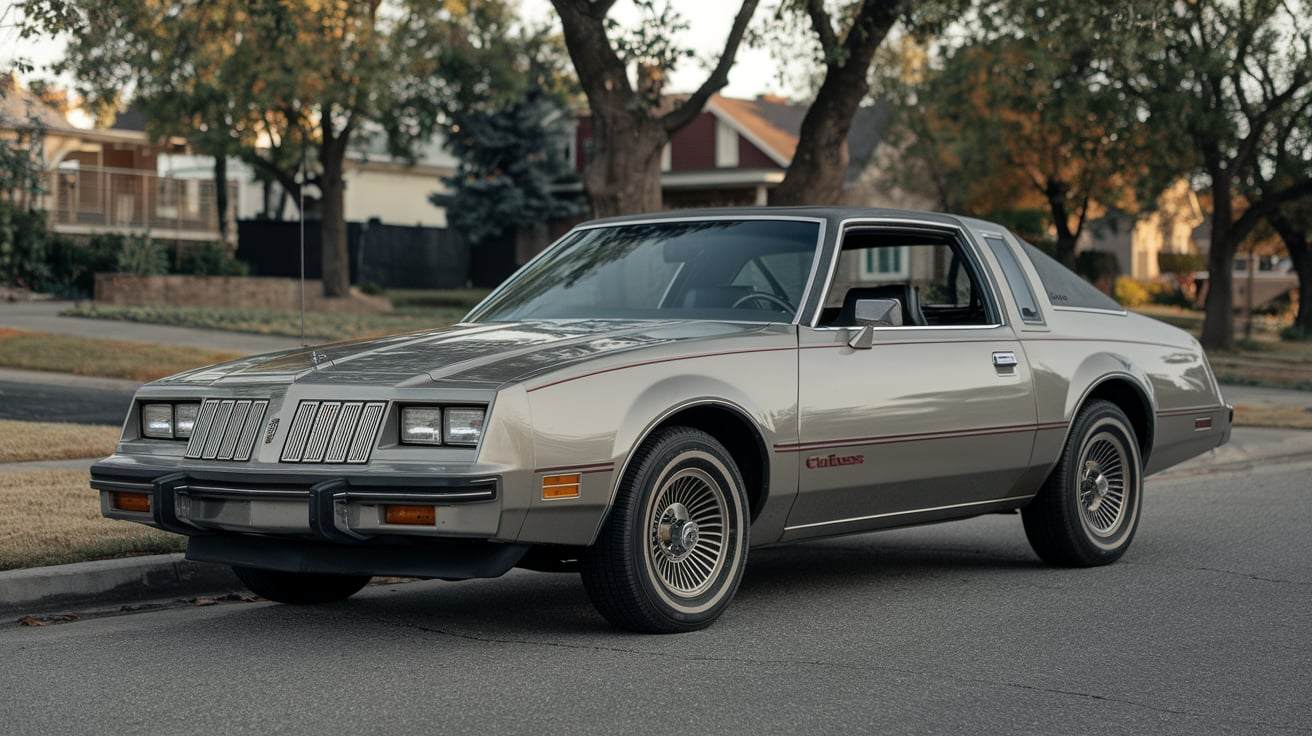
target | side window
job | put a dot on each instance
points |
(1016, 281)
(924, 271)
(884, 264)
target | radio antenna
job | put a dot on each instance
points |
(301, 209)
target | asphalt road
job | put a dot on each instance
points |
(1204, 627)
(53, 402)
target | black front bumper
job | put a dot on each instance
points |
(324, 544)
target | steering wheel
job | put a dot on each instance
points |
(771, 299)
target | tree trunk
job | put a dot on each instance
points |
(623, 176)
(1298, 241)
(623, 172)
(819, 165)
(221, 196)
(1055, 192)
(1219, 318)
(336, 262)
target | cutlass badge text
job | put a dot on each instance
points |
(833, 461)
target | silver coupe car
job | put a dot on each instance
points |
(654, 396)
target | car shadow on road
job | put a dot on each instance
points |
(531, 604)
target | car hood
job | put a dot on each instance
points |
(467, 355)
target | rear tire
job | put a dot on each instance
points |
(670, 556)
(298, 588)
(1088, 509)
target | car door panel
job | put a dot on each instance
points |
(924, 420)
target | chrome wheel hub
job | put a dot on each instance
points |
(677, 532)
(1102, 484)
(687, 546)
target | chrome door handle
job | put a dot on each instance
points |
(1005, 359)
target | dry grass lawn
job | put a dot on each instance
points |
(89, 356)
(24, 441)
(1276, 417)
(53, 518)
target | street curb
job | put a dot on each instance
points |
(111, 583)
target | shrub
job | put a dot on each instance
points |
(23, 247)
(209, 259)
(1294, 333)
(1180, 263)
(141, 256)
(74, 263)
(1130, 293)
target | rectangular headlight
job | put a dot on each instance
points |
(464, 426)
(421, 425)
(157, 421)
(184, 419)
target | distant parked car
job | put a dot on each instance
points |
(654, 396)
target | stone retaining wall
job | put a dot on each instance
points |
(247, 292)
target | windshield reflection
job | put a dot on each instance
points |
(737, 270)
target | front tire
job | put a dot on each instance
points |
(1088, 509)
(670, 556)
(298, 588)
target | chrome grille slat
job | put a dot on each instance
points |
(300, 431)
(201, 429)
(226, 429)
(370, 421)
(235, 423)
(220, 428)
(341, 442)
(333, 432)
(246, 441)
(324, 424)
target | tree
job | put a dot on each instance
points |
(1221, 75)
(631, 119)
(1288, 159)
(509, 161)
(274, 80)
(1027, 111)
(815, 175)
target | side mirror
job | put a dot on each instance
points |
(879, 312)
(872, 313)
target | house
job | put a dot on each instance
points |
(1136, 240)
(736, 150)
(99, 181)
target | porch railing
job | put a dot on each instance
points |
(92, 200)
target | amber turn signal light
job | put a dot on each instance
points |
(132, 501)
(560, 486)
(412, 515)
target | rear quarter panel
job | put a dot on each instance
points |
(1184, 412)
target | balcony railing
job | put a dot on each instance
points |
(93, 200)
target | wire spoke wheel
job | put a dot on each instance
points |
(1088, 509)
(671, 553)
(1102, 484)
(685, 525)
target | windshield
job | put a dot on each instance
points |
(738, 270)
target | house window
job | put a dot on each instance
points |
(726, 146)
(883, 264)
(667, 157)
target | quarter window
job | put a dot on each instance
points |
(1016, 281)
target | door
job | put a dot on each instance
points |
(935, 419)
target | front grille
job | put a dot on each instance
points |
(333, 432)
(226, 429)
